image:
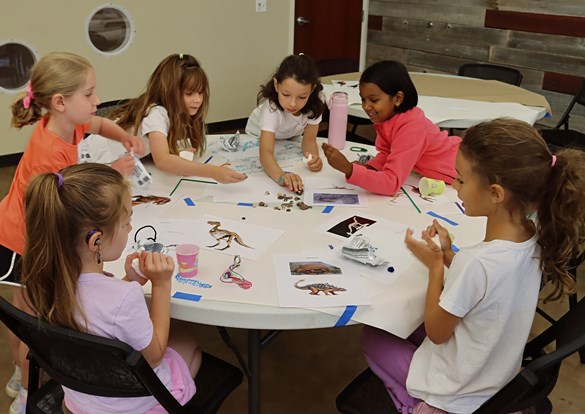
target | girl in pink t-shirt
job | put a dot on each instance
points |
(79, 219)
(406, 139)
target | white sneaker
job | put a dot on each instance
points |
(13, 385)
(18, 406)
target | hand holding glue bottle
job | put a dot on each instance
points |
(140, 176)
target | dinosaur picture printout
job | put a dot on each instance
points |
(221, 235)
(305, 281)
(333, 191)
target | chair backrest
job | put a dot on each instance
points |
(86, 363)
(336, 66)
(105, 109)
(538, 378)
(579, 98)
(491, 72)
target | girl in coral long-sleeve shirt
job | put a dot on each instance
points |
(406, 140)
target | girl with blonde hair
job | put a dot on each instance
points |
(61, 101)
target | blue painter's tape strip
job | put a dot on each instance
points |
(327, 210)
(454, 248)
(246, 204)
(187, 296)
(346, 315)
(451, 222)
(189, 202)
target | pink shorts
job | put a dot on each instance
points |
(182, 386)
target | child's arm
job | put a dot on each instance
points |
(171, 163)
(309, 145)
(159, 269)
(439, 324)
(271, 167)
(109, 129)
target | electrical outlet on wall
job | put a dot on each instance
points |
(260, 5)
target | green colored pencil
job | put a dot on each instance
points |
(411, 200)
(192, 180)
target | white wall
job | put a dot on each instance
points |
(237, 47)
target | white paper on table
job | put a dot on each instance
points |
(198, 231)
(387, 237)
(149, 206)
(287, 153)
(255, 188)
(439, 109)
(327, 191)
(321, 281)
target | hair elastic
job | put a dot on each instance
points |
(91, 233)
(554, 161)
(27, 100)
(59, 180)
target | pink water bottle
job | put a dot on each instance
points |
(337, 119)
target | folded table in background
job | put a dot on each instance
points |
(452, 101)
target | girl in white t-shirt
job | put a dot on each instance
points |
(169, 117)
(76, 220)
(478, 315)
(290, 105)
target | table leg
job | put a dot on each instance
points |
(254, 344)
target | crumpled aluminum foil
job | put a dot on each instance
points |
(231, 143)
(360, 249)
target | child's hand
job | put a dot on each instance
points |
(157, 267)
(337, 160)
(225, 175)
(314, 163)
(291, 180)
(444, 237)
(427, 251)
(124, 165)
(131, 274)
(132, 143)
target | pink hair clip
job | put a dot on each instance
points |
(26, 101)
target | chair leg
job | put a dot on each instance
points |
(572, 303)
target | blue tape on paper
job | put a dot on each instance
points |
(451, 222)
(346, 315)
(187, 296)
(327, 210)
(246, 204)
(189, 202)
(454, 248)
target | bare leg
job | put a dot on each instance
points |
(182, 339)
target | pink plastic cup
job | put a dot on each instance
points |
(188, 259)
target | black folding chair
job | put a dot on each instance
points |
(491, 72)
(561, 136)
(105, 367)
(530, 388)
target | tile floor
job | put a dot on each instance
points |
(303, 370)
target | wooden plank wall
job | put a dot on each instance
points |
(544, 39)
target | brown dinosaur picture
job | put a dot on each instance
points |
(313, 268)
(316, 288)
(226, 235)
